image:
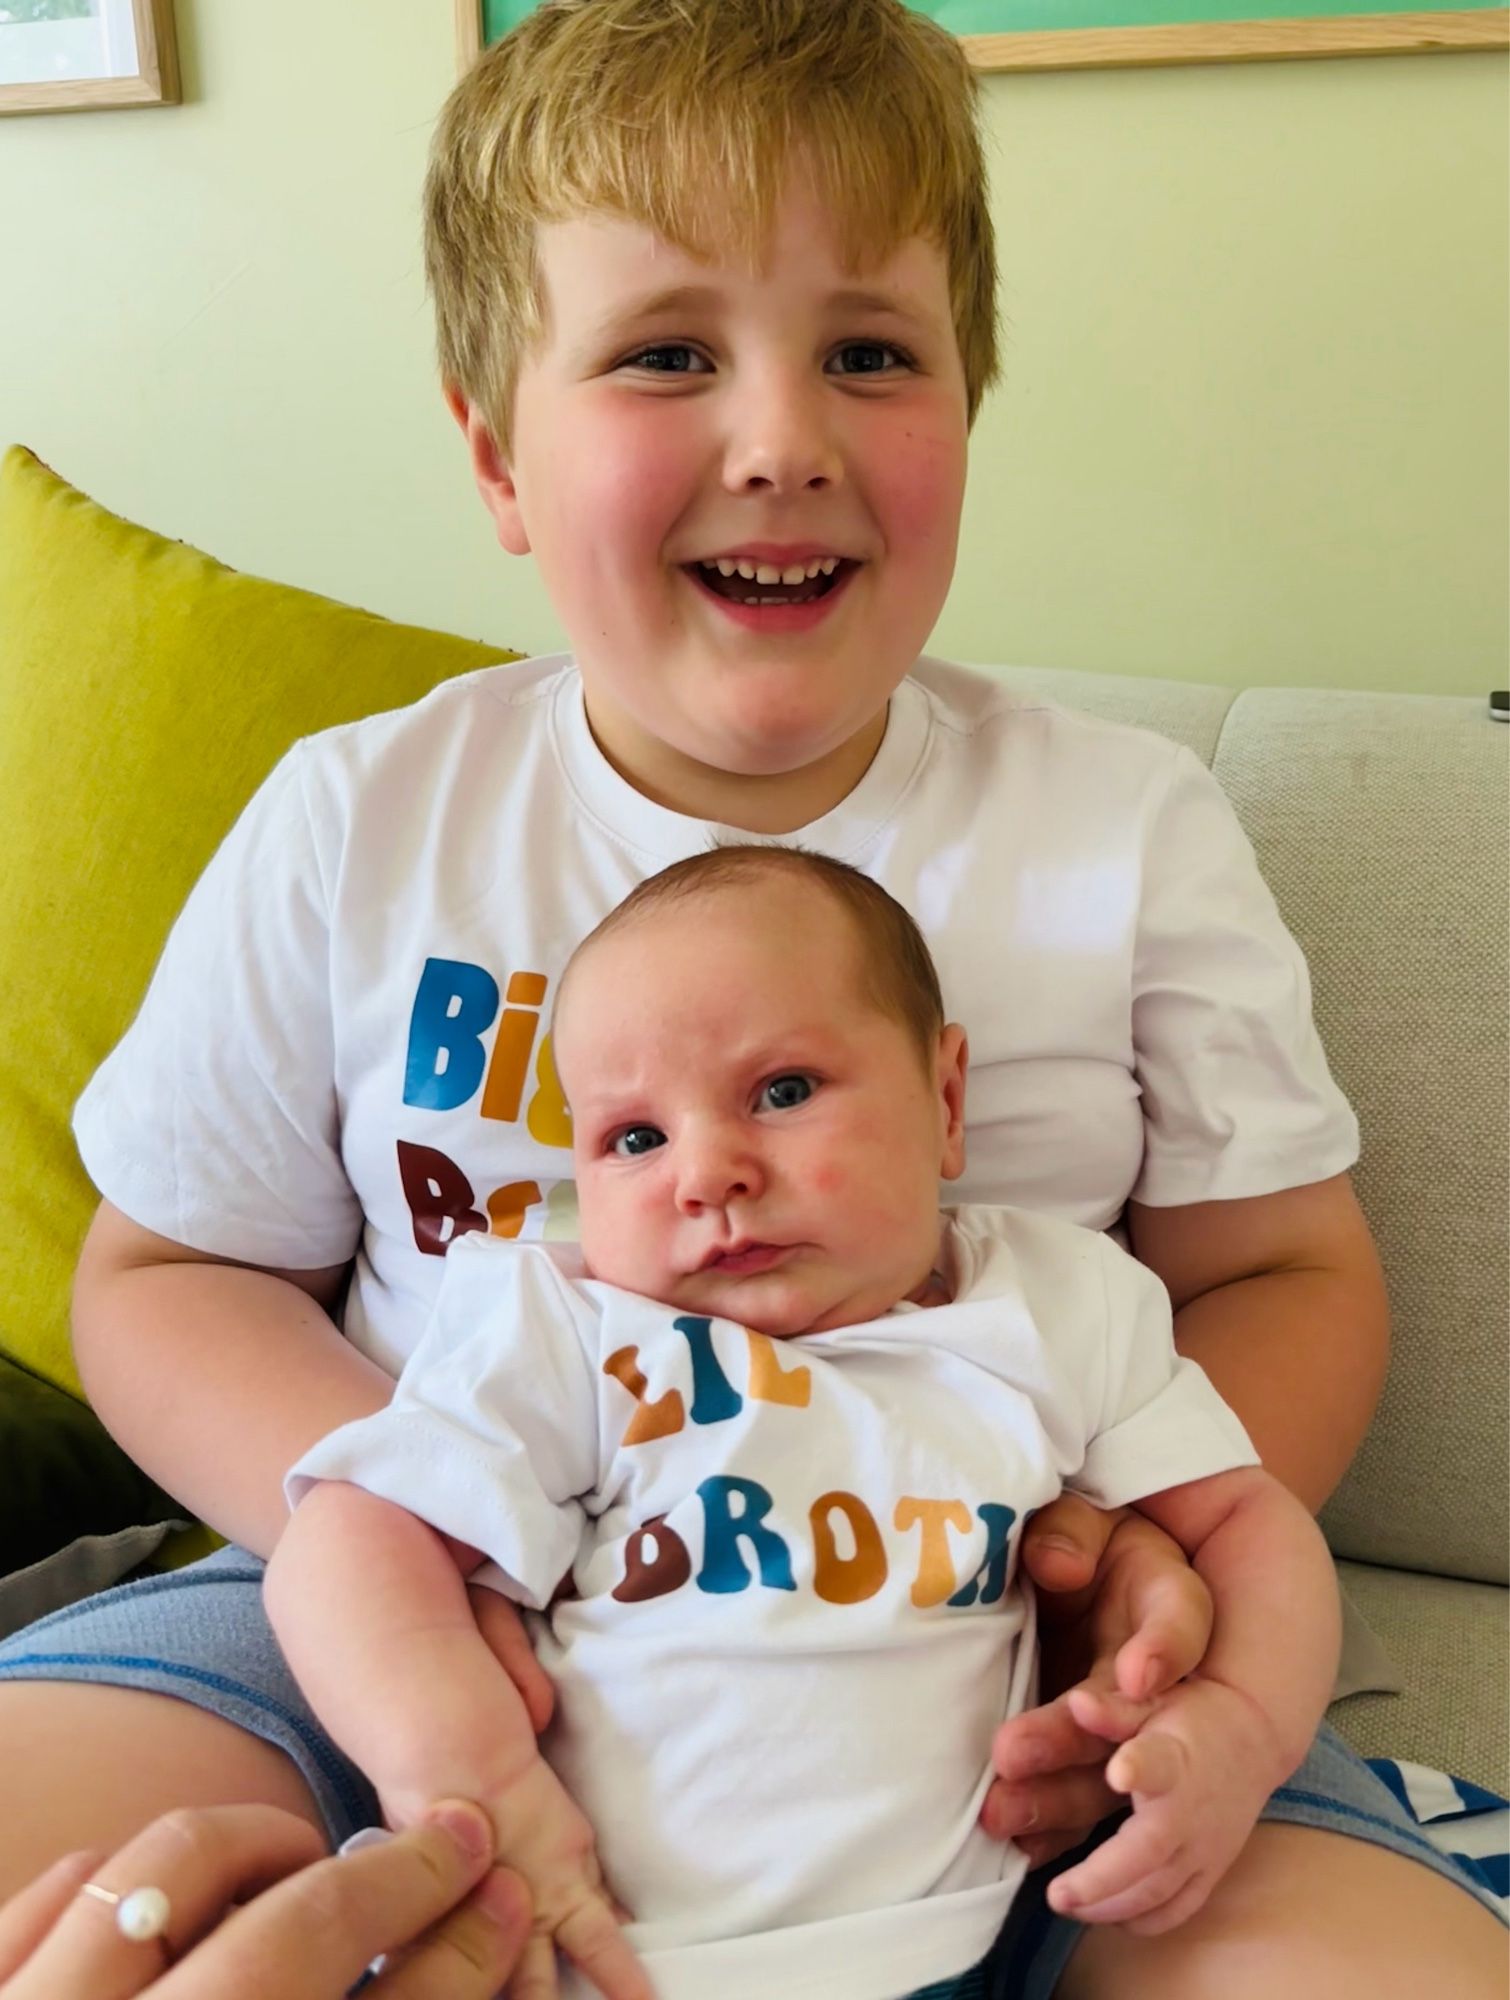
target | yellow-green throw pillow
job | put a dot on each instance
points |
(145, 691)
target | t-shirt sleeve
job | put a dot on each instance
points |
(1160, 1421)
(1237, 1096)
(492, 1432)
(215, 1120)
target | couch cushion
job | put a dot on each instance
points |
(1448, 1641)
(144, 692)
(1381, 823)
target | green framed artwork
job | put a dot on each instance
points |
(1098, 34)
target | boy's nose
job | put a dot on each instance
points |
(780, 440)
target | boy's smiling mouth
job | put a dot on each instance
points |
(776, 592)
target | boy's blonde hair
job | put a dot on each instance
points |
(682, 115)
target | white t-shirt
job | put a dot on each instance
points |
(797, 1618)
(343, 1049)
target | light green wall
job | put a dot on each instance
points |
(1254, 422)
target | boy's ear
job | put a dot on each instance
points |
(951, 1064)
(495, 481)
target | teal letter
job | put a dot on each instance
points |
(714, 1397)
(993, 1569)
(454, 1005)
(723, 1567)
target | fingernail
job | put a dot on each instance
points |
(1062, 1543)
(1153, 1673)
(467, 1826)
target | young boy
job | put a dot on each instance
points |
(792, 1618)
(714, 286)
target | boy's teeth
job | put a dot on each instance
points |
(768, 573)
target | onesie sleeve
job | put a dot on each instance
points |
(492, 1432)
(1237, 1096)
(1160, 1421)
(215, 1121)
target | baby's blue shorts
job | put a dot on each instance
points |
(201, 1633)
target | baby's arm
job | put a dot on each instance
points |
(1199, 1764)
(370, 1607)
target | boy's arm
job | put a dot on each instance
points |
(214, 1376)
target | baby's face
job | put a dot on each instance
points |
(753, 1138)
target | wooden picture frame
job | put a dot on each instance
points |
(1194, 42)
(155, 79)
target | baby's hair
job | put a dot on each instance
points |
(684, 115)
(897, 970)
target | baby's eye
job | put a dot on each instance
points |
(636, 1139)
(785, 1093)
(872, 357)
(672, 357)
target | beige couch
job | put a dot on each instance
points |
(1381, 824)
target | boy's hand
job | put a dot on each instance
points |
(540, 1832)
(1197, 1765)
(1118, 1603)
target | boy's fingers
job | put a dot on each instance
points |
(1047, 1815)
(1065, 1541)
(1043, 1741)
(1108, 1716)
(504, 1635)
(470, 1955)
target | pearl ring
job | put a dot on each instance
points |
(141, 1915)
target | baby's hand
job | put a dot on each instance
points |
(1197, 1764)
(541, 1832)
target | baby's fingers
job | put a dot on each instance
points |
(593, 1941)
(1150, 1766)
(1136, 1853)
(1145, 1902)
(535, 1974)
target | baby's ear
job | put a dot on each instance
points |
(951, 1064)
(490, 470)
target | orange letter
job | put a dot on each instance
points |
(836, 1579)
(935, 1577)
(548, 1119)
(660, 1419)
(769, 1381)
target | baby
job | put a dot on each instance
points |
(760, 1456)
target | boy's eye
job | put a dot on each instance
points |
(872, 357)
(785, 1093)
(636, 1139)
(672, 357)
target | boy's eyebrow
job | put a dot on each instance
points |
(706, 298)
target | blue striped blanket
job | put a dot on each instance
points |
(1463, 1820)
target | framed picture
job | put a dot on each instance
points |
(86, 55)
(1111, 34)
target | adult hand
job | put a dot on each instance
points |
(1119, 1607)
(308, 1938)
